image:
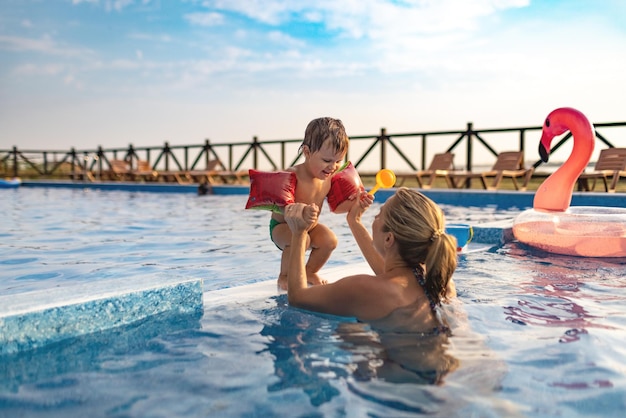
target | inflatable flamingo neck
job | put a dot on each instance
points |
(555, 193)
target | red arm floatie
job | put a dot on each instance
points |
(344, 184)
(271, 190)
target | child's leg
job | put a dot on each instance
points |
(284, 268)
(323, 243)
(281, 237)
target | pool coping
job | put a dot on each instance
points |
(457, 197)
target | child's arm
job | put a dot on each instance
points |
(345, 206)
(344, 187)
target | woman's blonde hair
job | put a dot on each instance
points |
(418, 225)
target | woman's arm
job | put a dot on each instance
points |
(300, 218)
(362, 235)
(359, 296)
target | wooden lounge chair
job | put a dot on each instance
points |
(441, 166)
(84, 175)
(77, 172)
(119, 170)
(611, 164)
(171, 176)
(212, 174)
(144, 171)
(509, 164)
(178, 176)
(207, 175)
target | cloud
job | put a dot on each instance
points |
(387, 36)
(48, 70)
(284, 39)
(151, 37)
(371, 18)
(205, 19)
(117, 5)
(269, 12)
(44, 45)
(383, 58)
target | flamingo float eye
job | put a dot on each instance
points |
(547, 123)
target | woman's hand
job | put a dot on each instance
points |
(301, 217)
(361, 202)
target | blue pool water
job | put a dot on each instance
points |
(537, 335)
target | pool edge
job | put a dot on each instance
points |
(457, 197)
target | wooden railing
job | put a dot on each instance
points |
(400, 151)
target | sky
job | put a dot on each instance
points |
(84, 73)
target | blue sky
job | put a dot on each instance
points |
(84, 73)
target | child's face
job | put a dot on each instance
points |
(325, 162)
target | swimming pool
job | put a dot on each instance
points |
(538, 334)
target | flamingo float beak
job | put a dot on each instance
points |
(544, 152)
(545, 141)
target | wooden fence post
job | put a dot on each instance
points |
(166, 151)
(100, 157)
(73, 154)
(255, 152)
(469, 134)
(383, 145)
(15, 166)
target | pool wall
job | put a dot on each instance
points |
(502, 199)
(136, 187)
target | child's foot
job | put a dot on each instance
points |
(283, 282)
(314, 280)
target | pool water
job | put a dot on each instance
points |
(536, 334)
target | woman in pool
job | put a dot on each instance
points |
(412, 259)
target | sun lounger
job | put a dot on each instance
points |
(144, 171)
(212, 174)
(611, 165)
(441, 166)
(119, 170)
(509, 164)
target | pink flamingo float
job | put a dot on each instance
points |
(552, 225)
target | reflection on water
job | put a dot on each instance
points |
(302, 345)
(311, 350)
(555, 292)
(324, 355)
(398, 358)
(558, 322)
